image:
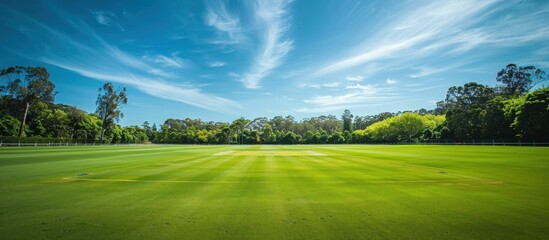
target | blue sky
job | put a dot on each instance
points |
(219, 60)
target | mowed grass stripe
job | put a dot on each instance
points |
(380, 161)
(144, 163)
(369, 169)
(191, 212)
(128, 167)
(354, 192)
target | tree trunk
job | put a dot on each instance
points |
(73, 131)
(102, 132)
(22, 129)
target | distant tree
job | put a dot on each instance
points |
(470, 95)
(309, 137)
(323, 137)
(408, 125)
(277, 123)
(347, 136)
(268, 135)
(75, 116)
(148, 130)
(202, 136)
(238, 127)
(37, 123)
(405, 127)
(109, 103)
(9, 126)
(359, 123)
(531, 115)
(440, 108)
(89, 127)
(464, 105)
(347, 119)
(253, 137)
(57, 124)
(225, 134)
(336, 137)
(113, 134)
(422, 111)
(258, 123)
(433, 126)
(494, 124)
(290, 138)
(519, 80)
(382, 131)
(360, 136)
(382, 116)
(316, 138)
(28, 85)
(154, 133)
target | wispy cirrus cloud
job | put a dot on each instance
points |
(100, 60)
(107, 18)
(391, 81)
(447, 28)
(366, 89)
(217, 64)
(433, 68)
(272, 20)
(355, 78)
(331, 84)
(172, 61)
(226, 23)
(352, 95)
(184, 93)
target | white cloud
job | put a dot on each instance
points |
(107, 18)
(446, 28)
(273, 23)
(183, 93)
(355, 78)
(306, 85)
(174, 61)
(95, 58)
(365, 89)
(217, 64)
(330, 100)
(353, 95)
(322, 109)
(223, 42)
(358, 94)
(436, 68)
(218, 16)
(233, 75)
(161, 73)
(331, 85)
(391, 81)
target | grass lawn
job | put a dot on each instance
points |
(274, 192)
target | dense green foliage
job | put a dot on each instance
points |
(109, 103)
(405, 127)
(27, 110)
(518, 81)
(472, 111)
(274, 192)
(27, 86)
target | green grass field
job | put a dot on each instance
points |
(274, 192)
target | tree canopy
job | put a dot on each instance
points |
(518, 81)
(472, 111)
(109, 103)
(27, 86)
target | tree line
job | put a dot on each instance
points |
(508, 111)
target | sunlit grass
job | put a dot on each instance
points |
(274, 192)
